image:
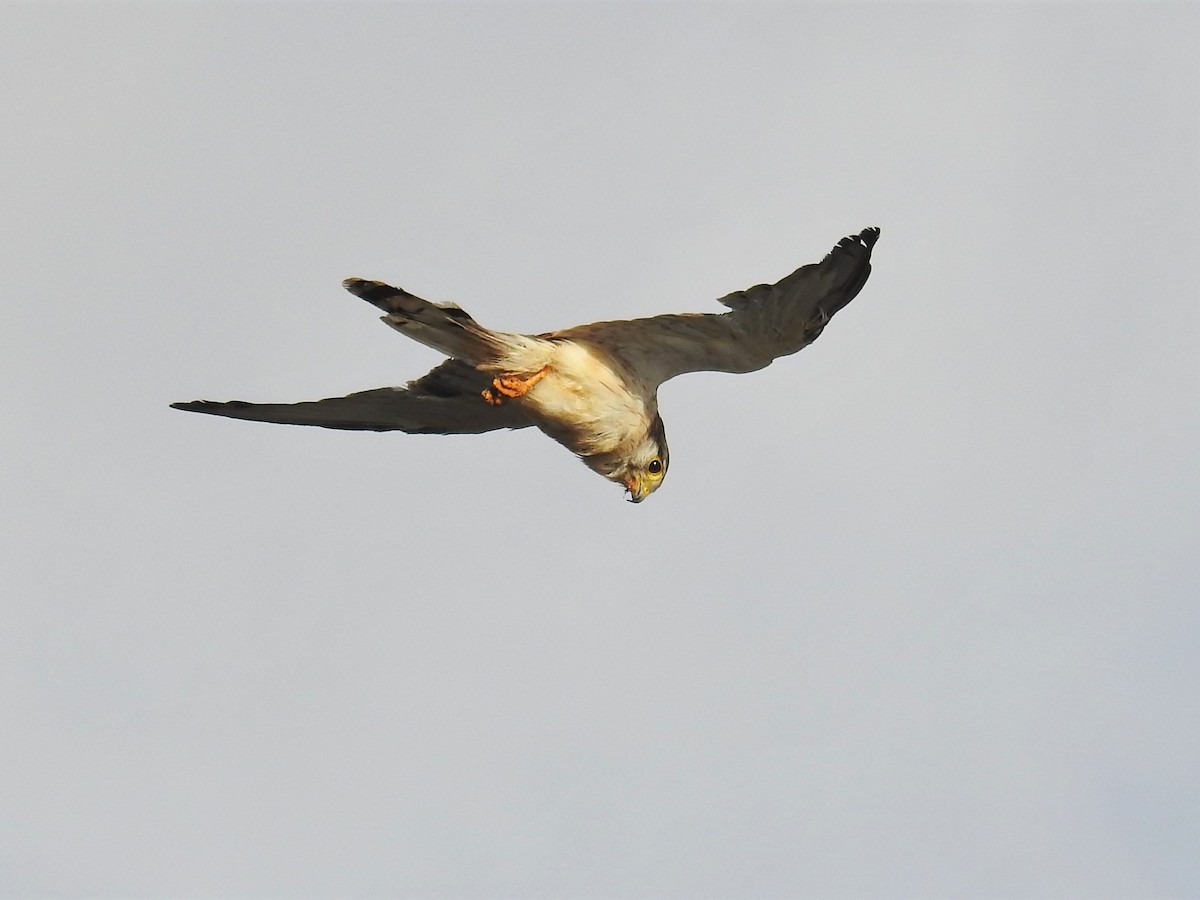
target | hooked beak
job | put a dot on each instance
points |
(636, 489)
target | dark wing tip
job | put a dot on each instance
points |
(208, 406)
(864, 239)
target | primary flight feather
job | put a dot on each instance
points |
(593, 388)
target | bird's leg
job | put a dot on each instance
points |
(512, 385)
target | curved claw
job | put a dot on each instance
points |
(512, 386)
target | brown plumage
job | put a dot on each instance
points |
(592, 388)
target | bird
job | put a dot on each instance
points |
(592, 388)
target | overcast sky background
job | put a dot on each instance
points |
(915, 613)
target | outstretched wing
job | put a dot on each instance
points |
(445, 401)
(765, 322)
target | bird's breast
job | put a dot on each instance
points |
(587, 404)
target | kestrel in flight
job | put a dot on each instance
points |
(593, 388)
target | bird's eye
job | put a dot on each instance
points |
(655, 466)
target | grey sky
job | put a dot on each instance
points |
(915, 613)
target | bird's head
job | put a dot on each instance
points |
(642, 470)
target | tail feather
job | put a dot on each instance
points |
(445, 327)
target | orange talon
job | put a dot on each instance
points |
(512, 386)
